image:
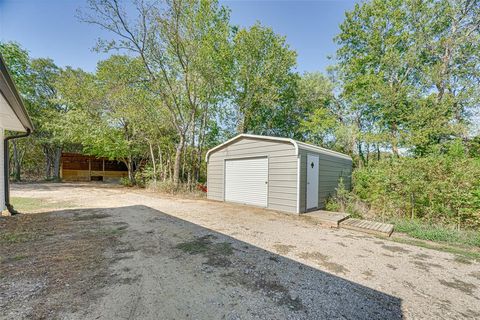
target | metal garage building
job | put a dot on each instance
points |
(275, 173)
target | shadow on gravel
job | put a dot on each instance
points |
(271, 286)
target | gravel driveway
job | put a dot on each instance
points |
(197, 259)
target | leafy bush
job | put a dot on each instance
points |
(345, 201)
(124, 181)
(439, 188)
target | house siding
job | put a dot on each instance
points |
(282, 170)
(2, 182)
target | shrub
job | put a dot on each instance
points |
(441, 189)
(345, 201)
(169, 187)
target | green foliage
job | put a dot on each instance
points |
(264, 82)
(441, 188)
(409, 72)
(18, 62)
(184, 49)
(345, 201)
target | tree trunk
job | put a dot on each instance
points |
(201, 137)
(48, 162)
(360, 153)
(178, 160)
(16, 161)
(152, 155)
(395, 149)
(131, 170)
(394, 140)
(56, 163)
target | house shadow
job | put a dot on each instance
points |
(191, 258)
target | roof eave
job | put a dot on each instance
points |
(11, 95)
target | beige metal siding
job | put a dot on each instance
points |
(331, 168)
(282, 170)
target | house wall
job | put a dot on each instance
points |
(331, 169)
(2, 182)
(282, 170)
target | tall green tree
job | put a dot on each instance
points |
(183, 46)
(107, 110)
(48, 112)
(18, 63)
(264, 82)
(409, 69)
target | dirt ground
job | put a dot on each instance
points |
(118, 253)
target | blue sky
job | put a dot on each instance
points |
(48, 28)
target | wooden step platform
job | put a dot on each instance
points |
(373, 227)
(327, 218)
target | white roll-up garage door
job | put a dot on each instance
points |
(246, 181)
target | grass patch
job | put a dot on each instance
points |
(14, 237)
(205, 245)
(437, 233)
(216, 253)
(462, 255)
(199, 245)
(91, 217)
(24, 204)
(19, 257)
(111, 231)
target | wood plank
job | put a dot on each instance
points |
(367, 226)
(327, 218)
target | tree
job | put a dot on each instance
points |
(376, 63)
(48, 112)
(182, 45)
(409, 70)
(264, 82)
(107, 110)
(321, 110)
(18, 62)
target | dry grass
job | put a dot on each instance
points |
(24, 204)
(57, 255)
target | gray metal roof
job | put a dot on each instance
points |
(297, 144)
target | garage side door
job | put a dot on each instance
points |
(246, 181)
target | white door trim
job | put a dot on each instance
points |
(312, 181)
(298, 183)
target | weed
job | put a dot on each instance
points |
(463, 254)
(19, 257)
(437, 233)
(199, 245)
(215, 252)
(111, 231)
(91, 217)
(14, 237)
